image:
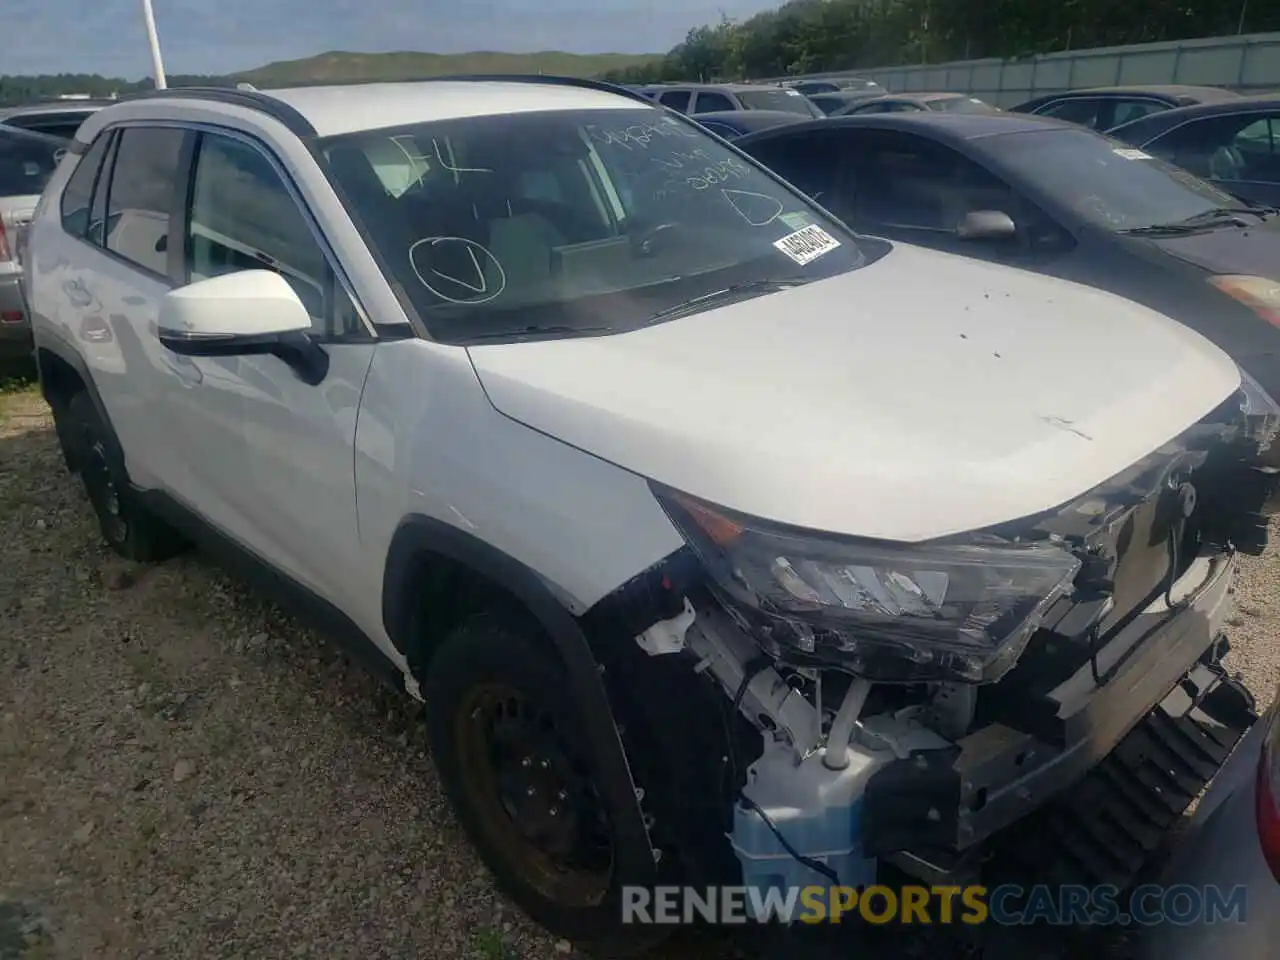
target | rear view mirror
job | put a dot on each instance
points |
(239, 314)
(986, 225)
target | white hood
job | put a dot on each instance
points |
(920, 396)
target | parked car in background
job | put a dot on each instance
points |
(830, 103)
(27, 161)
(1104, 108)
(732, 124)
(1235, 143)
(649, 90)
(1053, 197)
(1233, 840)
(58, 118)
(918, 103)
(813, 85)
(718, 97)
(523, 428)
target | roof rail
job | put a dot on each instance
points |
(236, 96)
(549, 80)
(245, 96)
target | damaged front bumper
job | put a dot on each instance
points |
(929, 808)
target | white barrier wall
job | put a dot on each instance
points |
(1248, 63)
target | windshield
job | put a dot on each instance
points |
(27, 161)
(792, 101)
(1105, 182)
(961, 105)
(572, 221)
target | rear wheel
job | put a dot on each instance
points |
(508, 744)
(128, 527)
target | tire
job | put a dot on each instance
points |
(128, 527)
(474, 677)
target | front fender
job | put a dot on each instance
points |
(419, 534)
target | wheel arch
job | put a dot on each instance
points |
(423, 559)
(63, 373)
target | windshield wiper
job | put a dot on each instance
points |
(535, 331)
(1204, 220)
(1215, 214)
(717, 297)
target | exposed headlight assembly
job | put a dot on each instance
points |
(889, 612)
(1261, 412)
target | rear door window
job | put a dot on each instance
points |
(1081, 110)
(710, 102)
(1237, 147)
(1124, 111)
(142, 194)
(676, 100)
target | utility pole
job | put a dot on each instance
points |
(1244, 7)
(153, 40)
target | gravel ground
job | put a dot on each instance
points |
(185, 772)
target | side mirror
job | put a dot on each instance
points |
(250, 312)
(986, 225)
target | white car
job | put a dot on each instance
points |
(723, 544)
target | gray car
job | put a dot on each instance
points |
(27, 160)
(1233, 839)
(58, 118)
(696, 98)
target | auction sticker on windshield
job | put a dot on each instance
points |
(807, 244)
(1131, 154)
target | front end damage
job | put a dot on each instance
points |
(801, 716)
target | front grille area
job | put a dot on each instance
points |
(1106, 829)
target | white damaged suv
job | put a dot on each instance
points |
(724, 545)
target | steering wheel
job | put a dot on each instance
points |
(646, 241)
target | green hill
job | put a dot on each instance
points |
(339, 66)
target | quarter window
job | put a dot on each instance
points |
(139, 204)
(77, 195)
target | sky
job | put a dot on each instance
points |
(222, 36)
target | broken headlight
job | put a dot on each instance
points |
(1261, 412)
(888, 612)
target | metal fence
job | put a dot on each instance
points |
(1249, 63)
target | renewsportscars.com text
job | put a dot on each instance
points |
(1008, 905)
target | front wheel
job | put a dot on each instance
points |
(507, 742)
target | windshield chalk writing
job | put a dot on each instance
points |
(758, 209)
(458, 264)
(639, 136)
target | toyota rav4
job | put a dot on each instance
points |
(724, 545)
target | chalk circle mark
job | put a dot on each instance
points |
(458, 265)
(758, 209)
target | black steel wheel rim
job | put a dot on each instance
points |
(534, 795)
(103, 492)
